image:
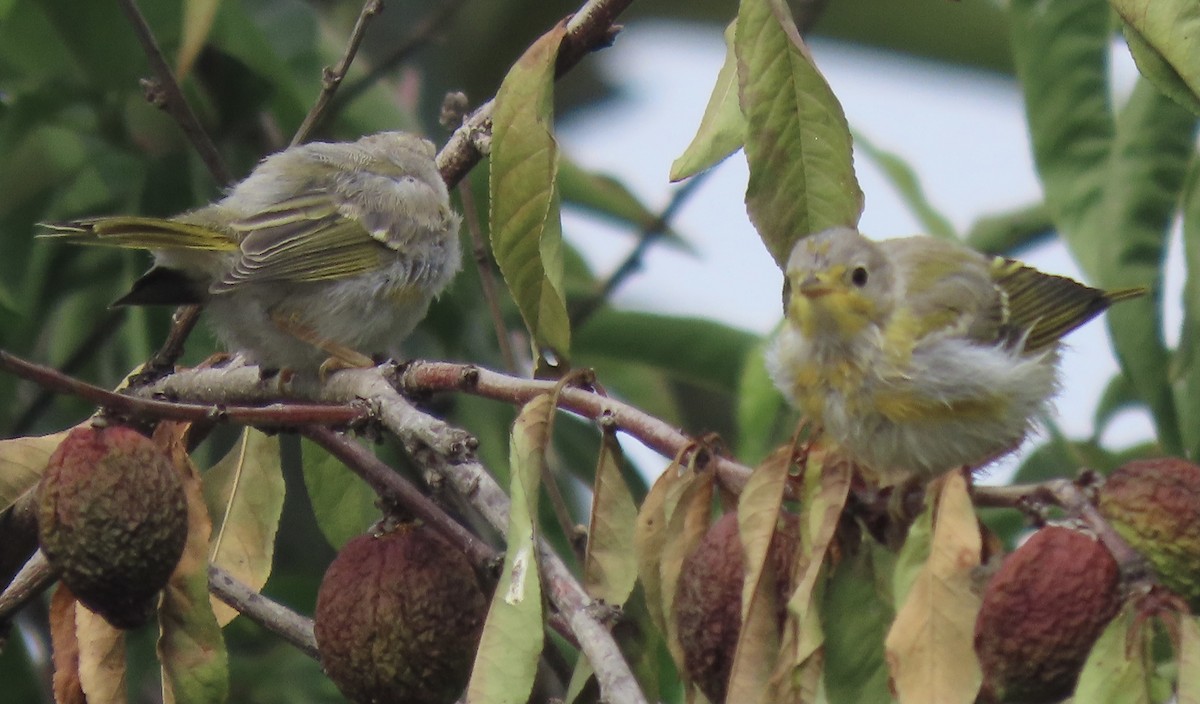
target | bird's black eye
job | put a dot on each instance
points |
(858, 277)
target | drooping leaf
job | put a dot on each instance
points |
(1118, 395)
(343, 505)
(610, 563)
(930, 647)
(22, 463)
(191, 648)
(1187, 690)
(1164, 33)
(524, 214)
(65, 647)
(825, 490)
(198, 18)
(856, 618)
(904, 179)
(688, 522)
(1116, 670)
(244, 492)
(1185, 366)
(101, 658)
(758, 642)
(650, 535)
(798, 144)
(512, 638)
(722, 128)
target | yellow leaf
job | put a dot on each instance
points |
(1188, 691)
(758, 642)
(650, 535)
(687, 525)
(101, 658)
(65, 646)
(930, 647)
(245, 489)
(610, 564)
(195, 667)
(198, 18)
(22, 463)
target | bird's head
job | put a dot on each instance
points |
(838, 282)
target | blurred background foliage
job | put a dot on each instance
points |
(77, 137)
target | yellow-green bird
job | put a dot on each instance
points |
(919, 355)
(324, 249)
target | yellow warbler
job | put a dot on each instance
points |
(919, 355)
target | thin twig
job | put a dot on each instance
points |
(277, 414)
(654, 433)
(164, 92)
(183, 321)
(487, 278)
(649, 235)
(276, 618)
(422, 32)
(397, 490)
(34, 578)
(332, 76)
(591, 28)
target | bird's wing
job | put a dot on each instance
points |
(1040, 308)
(304, 238)
(946, 290)
(140, 233)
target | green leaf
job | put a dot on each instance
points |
(1008, 234)
(762, 414)
(610, 563)
(699, 351)
(797, 142)
(524, 215)
(1115, 671)
(904, 180)
(722, 128)
(1111, 185)
(244, 493)
(1186, 364)
(512, 636)
(605, 195)
(1162, 38)
(343, 504)
(856, 619)
(1118, 395)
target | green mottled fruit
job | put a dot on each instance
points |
(708, 599)
(112, 517)
(1041, 614)
(399, 618)
(1155, 506)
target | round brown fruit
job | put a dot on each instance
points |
(708, 599)
(1155, 506)
(1042, 612)
(399, 617)
(112, 517)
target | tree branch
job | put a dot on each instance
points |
(589, 29)
(276, 618)
(34, 578)
(164, 92)
(332, 76)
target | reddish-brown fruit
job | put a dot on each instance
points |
(1155, 506)
(399, 618)
(708, 600)
(1042, 612)
(112, 517)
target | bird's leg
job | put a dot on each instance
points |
(340, 356)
